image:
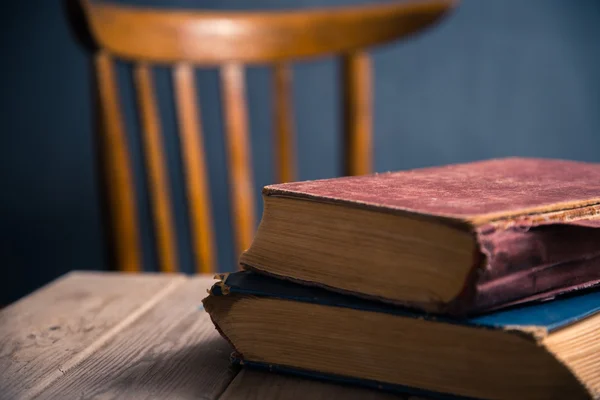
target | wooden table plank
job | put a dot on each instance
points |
(48, 333)
(252, 384)
(172, 351)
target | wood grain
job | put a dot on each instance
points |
(52, 331)
(156, 163)
(168, 36)
(285, 160)
(358, 115)
(195, 171)
(238, 152)
(258, 385)
(171, 352)
(117, 166)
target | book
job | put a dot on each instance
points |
(542, 350)
(458, 239)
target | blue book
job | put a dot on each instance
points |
(546, 350)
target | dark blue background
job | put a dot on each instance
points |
(496, 78)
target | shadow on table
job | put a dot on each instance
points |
(203, 371)
(258, 385)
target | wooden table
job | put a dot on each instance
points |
(107, 335)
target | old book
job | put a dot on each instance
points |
(543, 350)
(455, 239)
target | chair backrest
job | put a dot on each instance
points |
(185, 39)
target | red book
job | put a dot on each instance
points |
(456, 239)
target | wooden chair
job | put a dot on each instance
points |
(185, 39)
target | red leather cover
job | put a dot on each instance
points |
(535, 220)
(524, 263)
(493, 188)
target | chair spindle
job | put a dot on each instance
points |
(285, 161)
(119, 177)
(196, 175)
(238, 150)
(158, 180)
(356, 75)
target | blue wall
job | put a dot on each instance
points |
(496, 78)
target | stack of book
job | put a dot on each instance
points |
(474, 280)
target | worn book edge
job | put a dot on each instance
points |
(568, 211)
(535, 320)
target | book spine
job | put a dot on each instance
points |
(530, 263)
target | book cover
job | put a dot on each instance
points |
(535, 221)
(478, 192)
(543, 316)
